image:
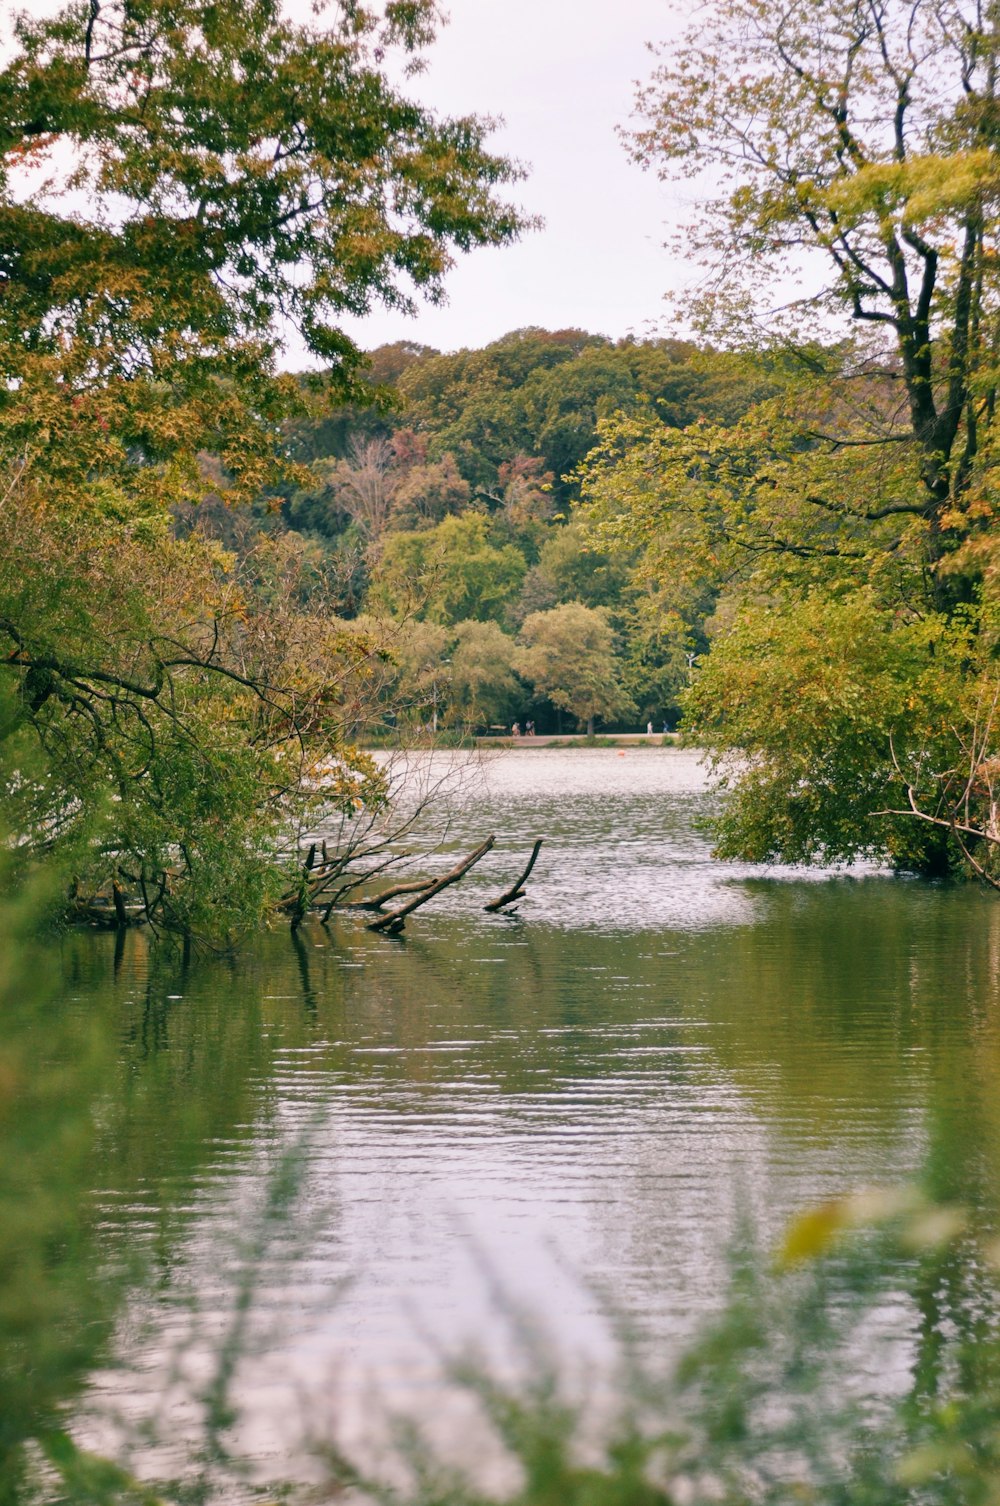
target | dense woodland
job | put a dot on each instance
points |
(443, 520)
(220, 583)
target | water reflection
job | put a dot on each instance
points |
(591, 1088)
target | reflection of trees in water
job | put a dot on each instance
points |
(852, 1027)
(127, 1083)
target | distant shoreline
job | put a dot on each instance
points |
(581, 740)
(566, 741)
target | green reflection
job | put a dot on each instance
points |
(842, 1014)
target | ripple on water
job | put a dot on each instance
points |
(590, 1092)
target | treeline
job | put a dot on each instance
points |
(446, 512)
(176, 716)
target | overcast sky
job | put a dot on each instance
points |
(562, 74)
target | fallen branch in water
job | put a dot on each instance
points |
(516, 890)
(378, 900)
(394, 921)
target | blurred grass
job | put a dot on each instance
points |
(54, 1306)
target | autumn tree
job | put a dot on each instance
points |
(859, 137)
(849, 152)
(180, 184)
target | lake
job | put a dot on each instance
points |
(550, 1110)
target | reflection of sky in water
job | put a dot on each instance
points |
(625, 847)
(585, 1094)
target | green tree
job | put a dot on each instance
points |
(309, 193)
(568, 654)
(484, 687)
(175, 177)
(420, 650)
(541, 394)
(450, 573)
(829, 717)
(572, 568)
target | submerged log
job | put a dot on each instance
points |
(516, 890)
(392, 923)
(414, 886)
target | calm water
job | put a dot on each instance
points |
(581, 1096)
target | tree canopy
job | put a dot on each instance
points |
(180, 185)
(836, 541)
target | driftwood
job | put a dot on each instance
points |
(393, 923)
(516, 890)
(385, 895)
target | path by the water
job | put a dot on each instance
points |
(579, 740)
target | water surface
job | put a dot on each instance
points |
(579, 1097)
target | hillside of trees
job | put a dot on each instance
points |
(443, 521)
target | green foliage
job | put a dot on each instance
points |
(484, 687)
(307, 194)
(175, 178)
(571, 568)
(420, 653)
(543, 394)
(831, 710)
(568, 654)
(450, 573)
(54, 1307)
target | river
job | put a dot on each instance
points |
(534, 1111)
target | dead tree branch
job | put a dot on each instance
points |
(516, 891)
(415, 886)
(394, 921)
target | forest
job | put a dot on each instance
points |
(444, 520)
(221, 582)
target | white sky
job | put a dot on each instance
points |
(562, 74)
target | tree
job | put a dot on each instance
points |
(568, 655)
(255, 167)
(484, 688)
(537, 395)
(572, 568)
(852, 146)
(862, 132)
(428, 493)
(364, 485)
(421, 653)
(450, 573)
(178, 181)
(837, 712)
